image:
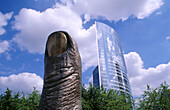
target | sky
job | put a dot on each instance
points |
(142, 25)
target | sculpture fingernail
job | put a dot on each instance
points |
(56, 44)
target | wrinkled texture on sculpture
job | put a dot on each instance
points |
(62, 76)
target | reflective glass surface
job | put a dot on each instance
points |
(111, 65)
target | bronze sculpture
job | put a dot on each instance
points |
(62, 76)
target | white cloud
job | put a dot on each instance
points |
(86, 86)
(3, 21)
(87, 18)
(8, 56)
(117, 9)
(35, 26)
(21, 82)
(168, 38)
(4, 46)
(139, 76)
(91, 79)
(158, 13)
(37, 59)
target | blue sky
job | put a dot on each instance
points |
(143, 28)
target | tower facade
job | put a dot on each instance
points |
(111, 71)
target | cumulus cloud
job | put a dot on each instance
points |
(35, 26)
(4, 46)
(8, 56)
(21, 82)
(139, 76)
(158, 13)
(168, 38)
(91, 79)
(117, 9)
(3, 21)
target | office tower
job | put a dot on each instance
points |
(111, 71)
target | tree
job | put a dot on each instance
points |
(6, 100)
(33, 100)
(94, 99)
(155, 99)
(102, 99)
(15, 101)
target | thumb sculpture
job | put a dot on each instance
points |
(62, 76)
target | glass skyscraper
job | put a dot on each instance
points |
(111, 71)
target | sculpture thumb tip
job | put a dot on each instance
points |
(56, 44)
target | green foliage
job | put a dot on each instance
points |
(155, 99)
(10, 101)
(94, 99)
(102, 99)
